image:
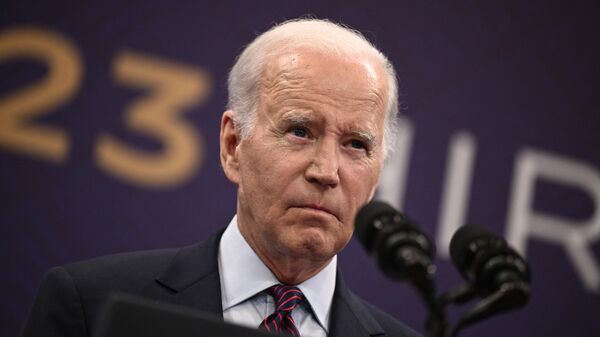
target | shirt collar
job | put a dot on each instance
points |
(237, 260)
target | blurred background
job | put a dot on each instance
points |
(109, 121)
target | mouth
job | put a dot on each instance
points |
(317, 209)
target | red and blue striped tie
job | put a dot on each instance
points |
(286, 299)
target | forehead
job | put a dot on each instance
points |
(351, 88)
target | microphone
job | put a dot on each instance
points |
(493, 270)
(401, 249)
(402, 252)
(487, 261)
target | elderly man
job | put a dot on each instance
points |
(311, 115)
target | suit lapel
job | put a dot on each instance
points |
(192, 277)
(349, 316)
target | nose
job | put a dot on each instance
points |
(324, 166)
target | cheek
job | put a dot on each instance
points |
(362, 181)
(344, 236)
(361, 184)
(267, 174)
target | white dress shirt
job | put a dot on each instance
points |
(244, 279)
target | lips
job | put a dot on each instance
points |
(318, 208)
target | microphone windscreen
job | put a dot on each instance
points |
(365, 218)
(462, 239)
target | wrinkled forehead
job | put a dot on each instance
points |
(360, 68)
(297, 73)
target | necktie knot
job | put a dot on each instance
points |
(286, 299)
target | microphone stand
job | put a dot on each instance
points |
(509, 296)
(420, 273)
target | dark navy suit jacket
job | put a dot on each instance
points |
(70, 297)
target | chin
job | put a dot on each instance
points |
(313, 244)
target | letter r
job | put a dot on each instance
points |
(524, 223)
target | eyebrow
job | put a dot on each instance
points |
(296, 118)
(367, 137)
(304, 119)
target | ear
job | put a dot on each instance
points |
(229, 140)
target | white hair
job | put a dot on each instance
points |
(245, 76)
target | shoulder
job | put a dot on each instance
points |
(95, 279)
(69, 297)
(124, 267)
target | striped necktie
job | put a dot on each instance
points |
(286, 299)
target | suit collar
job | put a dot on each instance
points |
(192, 276)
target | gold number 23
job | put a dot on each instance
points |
(170, 89)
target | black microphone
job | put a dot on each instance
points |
(487, 261)
(493, 270)
(403, 252)
(401, 249)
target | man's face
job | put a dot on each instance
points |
(314, 155)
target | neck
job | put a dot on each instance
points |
(288, 268)
(291, 271)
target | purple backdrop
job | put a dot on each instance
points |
(502, 128)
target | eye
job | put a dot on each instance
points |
(299, 132)
(357, 144)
